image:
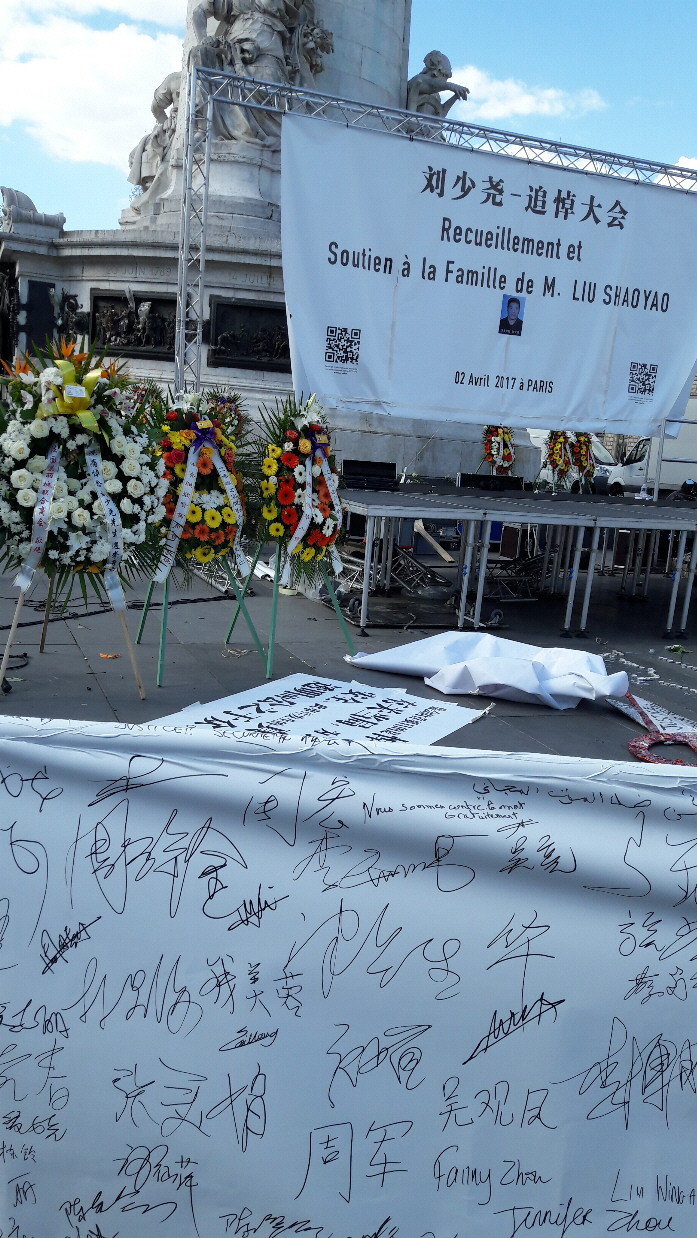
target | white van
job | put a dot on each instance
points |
(679, 463)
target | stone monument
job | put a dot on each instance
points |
(119, 286)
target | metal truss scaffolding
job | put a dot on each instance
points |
(207, 88)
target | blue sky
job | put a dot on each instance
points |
(76, 80)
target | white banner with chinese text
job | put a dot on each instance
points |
(423, 280)
(320, 710)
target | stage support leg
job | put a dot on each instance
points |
(565, 577)
(638, 561)
(627, 560)
(589, 579)
(649, 562)
(549, 538)
(387, 563)
(676, 582)
(688, 587)
(483, 559)
(574, 578)
(367, 565)
(466, 569)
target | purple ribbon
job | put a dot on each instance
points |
(318, 446)
(204, 436)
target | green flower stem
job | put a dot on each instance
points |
(241, 608)
(337, 608)
(274, 612)
(163, 633)
(238, 609)
(144, 612)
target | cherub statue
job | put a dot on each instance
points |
(424, 90)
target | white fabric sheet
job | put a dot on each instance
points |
(479, 664)
(263, 990)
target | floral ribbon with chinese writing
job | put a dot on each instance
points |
(204, 436)
(41, 521)
(93, 458)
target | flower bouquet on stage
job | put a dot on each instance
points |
(499, 451)
(569, 456)
(199, 436)
(582, 456)
(301, 508)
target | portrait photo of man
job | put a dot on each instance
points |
(512, 321)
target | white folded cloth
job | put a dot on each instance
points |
(480, 664)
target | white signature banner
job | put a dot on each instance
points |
(426, 280)
(272, 990)
(328, 711)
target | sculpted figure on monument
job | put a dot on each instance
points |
(273, 40)
(424, 90)
(259, 39)
(148, 156)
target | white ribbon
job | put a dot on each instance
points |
(178, 521)
(498, 447)
(583, 441)
(234, 500)
(333, 492)
(93, 459)
(337, 565)
(304, 522)
(41, 522)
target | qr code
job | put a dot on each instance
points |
(642, 378)
(343, 345)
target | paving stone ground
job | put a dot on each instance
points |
(71, 678)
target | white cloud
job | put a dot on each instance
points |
(84, 94)
(493, 99)
(166, 13)
(685, 161)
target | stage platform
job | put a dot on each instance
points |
(572, 528)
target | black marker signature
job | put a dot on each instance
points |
(250, 911)
(502, 1026)
(141, 774)
(67, 940)
(245, 1038)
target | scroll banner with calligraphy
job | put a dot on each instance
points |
(262, 990)
(427, 281)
